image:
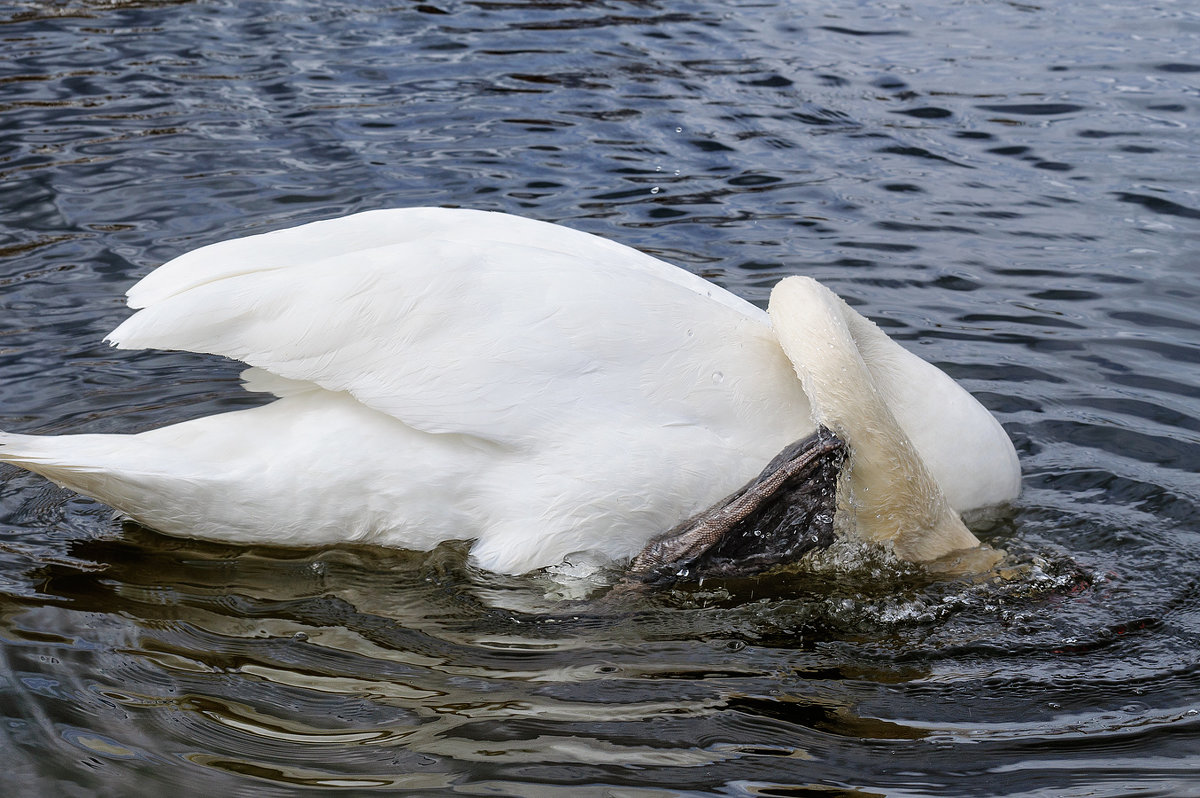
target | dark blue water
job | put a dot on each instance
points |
(1009, 188)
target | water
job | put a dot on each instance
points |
(1008, 188)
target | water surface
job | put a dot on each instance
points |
(1009, 189)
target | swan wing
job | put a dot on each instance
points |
(472, 322)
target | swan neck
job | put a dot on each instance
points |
(890, 493)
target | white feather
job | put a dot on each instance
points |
(460, 374)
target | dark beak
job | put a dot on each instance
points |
(784, 512)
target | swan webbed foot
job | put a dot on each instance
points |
(778, 516)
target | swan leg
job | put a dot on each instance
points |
(779, 515)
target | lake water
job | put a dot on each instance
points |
(1011, 189)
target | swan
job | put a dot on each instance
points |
(461, 374)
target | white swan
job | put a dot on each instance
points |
(458, 374)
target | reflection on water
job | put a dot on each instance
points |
(1008, 189)
(360, 667)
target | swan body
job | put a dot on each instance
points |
(457, 374)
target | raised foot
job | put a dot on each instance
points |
(782, 513)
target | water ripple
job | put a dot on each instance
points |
(1005, 191)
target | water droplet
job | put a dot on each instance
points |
(718, 377)
(678, 130)
(677, 173)
(655, 190)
